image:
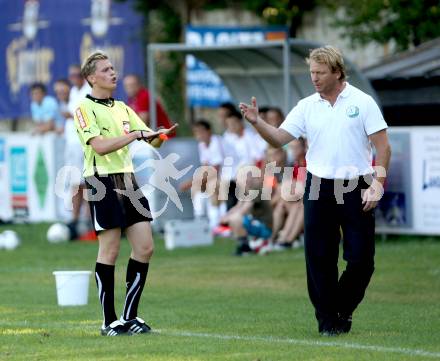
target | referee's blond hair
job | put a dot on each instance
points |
(89, 65)
(330, 56)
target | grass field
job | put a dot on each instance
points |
(208, 305)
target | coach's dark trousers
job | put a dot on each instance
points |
(325, 223)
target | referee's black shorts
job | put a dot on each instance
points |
(116, 201)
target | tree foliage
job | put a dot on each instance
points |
(163, 24)
(272, 12)
(165, 19)
(407, 22)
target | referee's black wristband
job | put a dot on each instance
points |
(142, 135)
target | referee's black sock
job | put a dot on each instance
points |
(105, 280)
(135, 280)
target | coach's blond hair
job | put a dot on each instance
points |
(330, 56)
(89, 65)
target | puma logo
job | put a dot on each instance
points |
(106, 129)
(87, 131)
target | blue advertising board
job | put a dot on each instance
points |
(204, 87)
(18, 170)
(2, 150)
(40, 39)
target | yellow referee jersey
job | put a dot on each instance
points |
(109, 119)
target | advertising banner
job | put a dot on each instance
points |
(204, 87)
(30, 178)
(40, 39)
(426, 175)
(411, 203)
(5, 201)
(395, 208)
(19, 182)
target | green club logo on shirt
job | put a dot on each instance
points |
(353, 111)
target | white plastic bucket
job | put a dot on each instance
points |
(72, 287)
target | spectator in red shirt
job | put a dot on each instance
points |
(139, 101)
(292, 211)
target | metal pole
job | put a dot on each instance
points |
(286, 76)
(152, 87)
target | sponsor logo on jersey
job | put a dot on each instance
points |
(353, 111)
(82, 119)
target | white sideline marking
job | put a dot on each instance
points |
(347, 345)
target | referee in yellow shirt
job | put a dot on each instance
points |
(106, 127)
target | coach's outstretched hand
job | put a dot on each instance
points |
(250, 112)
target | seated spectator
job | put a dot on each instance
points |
(80, 87)
(224, 111)
(45, 112)
(62, 89)
(228, 109)
(292, 210)
(274, 116)
(210, 154)
(278, 157)
(262, 112)
(240, 146)
(250, 220)
(139, 101)
(73, 154)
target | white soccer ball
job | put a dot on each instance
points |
(10, 240)
(58, 233)
(2, 245)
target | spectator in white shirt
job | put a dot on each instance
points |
(73, 154)
(62, 89)
(207, 204)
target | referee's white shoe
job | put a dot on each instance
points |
(135, 326)
(116, 328)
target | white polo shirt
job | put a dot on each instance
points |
(338, 144)
(211, 154)
(76, 95)
(239, 151)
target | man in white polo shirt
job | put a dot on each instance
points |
(342, 188)
(73, 153)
